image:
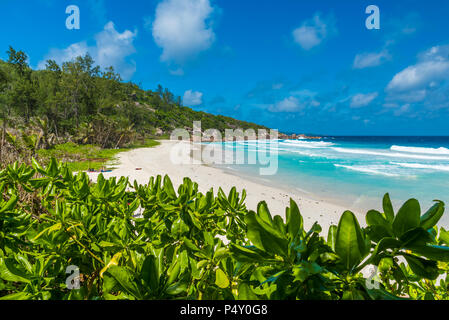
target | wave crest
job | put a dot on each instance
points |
(390, 154)
(376, 170)
(440, 150)
(307, 144)
(422, 166)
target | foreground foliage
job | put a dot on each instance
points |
(132, 241)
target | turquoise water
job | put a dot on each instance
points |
(356, 171)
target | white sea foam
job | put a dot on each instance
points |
(307, 144)
(389, 154)
(305, 153)
(439, 151)
(422, 166)
(377, 170)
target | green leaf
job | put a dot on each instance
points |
(375, 218)
(408, 217)
(444, 236)
(221, 280)
(150, 273)
(189, 244)
(179, 227)
(10, 204)
(125, 280)
(388, 243)
(294, 220)
(377, 233)
(113, 262)
(305, 269)
(264, 236)
(278, 222)
(9, 272)
(245, 292)
(438, 253)
(52, 169)
(415, 237)
(173, 271)
(264, 213)
(349, 244)
(243, 254)
(385, 264)
(421, 267)
(388, 208)
(331, 236)
(168, 188)
(17, 296)
(432, 216)
(429, 296)
(352, 294)
(37, 166)
(379, 227)
(177, 288)
(220, 253)
(382, 294)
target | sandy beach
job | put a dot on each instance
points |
(156, 161)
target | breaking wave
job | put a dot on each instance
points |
(439, 151)
(377, 170)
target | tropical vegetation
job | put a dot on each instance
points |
(80, 104)
(123, 240)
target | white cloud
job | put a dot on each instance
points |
(362, 100)
(410, 96)
(67, 54)
(419, 75)
(315, 103)
(314, 31)
(177, 72)
(112, 49)
(402, 110)
(182, 28)
(290, 104)
(296, 101)
(432, 67)
(192, 98)
(371, 59)
(277, 86)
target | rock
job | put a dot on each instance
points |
(159, 132)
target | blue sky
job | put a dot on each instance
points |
(301, 66)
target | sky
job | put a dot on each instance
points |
(294, 65)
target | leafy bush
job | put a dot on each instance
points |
(132, 241)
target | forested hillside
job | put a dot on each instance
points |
(79, 102)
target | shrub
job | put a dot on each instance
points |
(132, 241)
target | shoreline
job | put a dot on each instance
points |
(156, 161)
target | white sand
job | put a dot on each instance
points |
(156, 161)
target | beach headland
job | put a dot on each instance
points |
(141, 164)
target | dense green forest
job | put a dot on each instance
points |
(77, 102)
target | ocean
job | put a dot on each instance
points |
(357, 171)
